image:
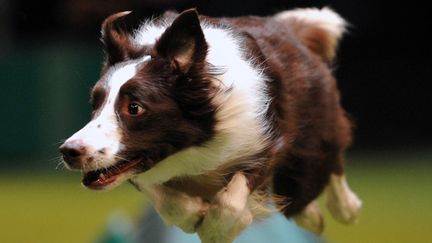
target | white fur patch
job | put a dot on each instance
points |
(228, 214)
(242, 102)
(310, 218)
(176, 207)
(102, 133)
(344, 205)
(324, 18)
(148, 33)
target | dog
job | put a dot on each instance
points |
(217, 119)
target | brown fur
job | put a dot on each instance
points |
(309, 129)
(305, 112)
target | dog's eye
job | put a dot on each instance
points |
(135, 109)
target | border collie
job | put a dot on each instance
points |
(213, 118)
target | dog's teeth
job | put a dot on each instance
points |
(102, 176)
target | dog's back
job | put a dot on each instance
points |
(296, 49)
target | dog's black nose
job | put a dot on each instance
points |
(73, 153)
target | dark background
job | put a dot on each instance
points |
(50, 56)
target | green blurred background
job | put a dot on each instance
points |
(50, 57)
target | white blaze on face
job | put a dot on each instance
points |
(102, 136)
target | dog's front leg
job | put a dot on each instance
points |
(228, 214)
(177, 208)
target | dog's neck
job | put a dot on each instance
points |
(241, 100)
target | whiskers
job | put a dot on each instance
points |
(115, 166)
(104, 165)
(118, 157)
(95, 163)
(62, 141)
(58, 160)
(60, 163)
(60, 166)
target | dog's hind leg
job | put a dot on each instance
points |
(343, 204)
(310, 218)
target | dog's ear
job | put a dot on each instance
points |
(183, 43)
(116, 30)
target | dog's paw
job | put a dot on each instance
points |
(185, 212)
(345, 208)
(190, 223)
(311, 219)
(228, 214)
(343, 204)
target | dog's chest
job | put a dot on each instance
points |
(205, 186)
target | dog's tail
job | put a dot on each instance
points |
(319, 29)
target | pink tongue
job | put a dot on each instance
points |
(103, 177)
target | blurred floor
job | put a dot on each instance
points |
(51, 206)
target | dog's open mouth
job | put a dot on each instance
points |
(101, 178)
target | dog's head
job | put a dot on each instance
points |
(150, 102)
